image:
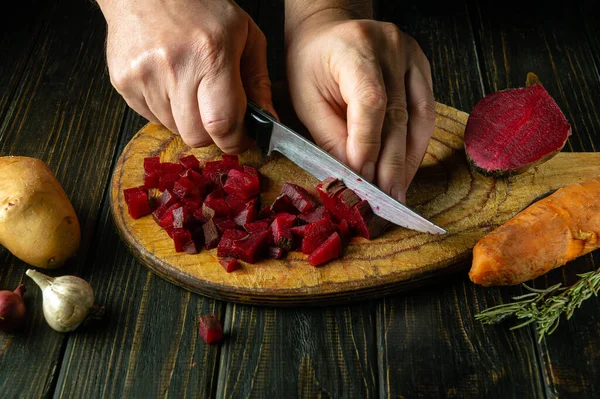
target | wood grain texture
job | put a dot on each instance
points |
(64, 112)
(557, 47)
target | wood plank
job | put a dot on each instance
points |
(149, 345)
(64, 112)
(429, 343)
(550, 39)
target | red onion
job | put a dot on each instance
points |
(12, 309)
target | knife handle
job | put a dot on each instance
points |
(259, 125)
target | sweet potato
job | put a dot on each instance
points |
(37, 221)
(544, 236)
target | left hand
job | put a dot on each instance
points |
(364, 90)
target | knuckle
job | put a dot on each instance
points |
(394, 162)
(425, 110)
(397, 115)
(359, 30)
(211, 50)
(392, 33)
(373, 97)
(413, 160)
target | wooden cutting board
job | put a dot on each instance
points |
(466, 204)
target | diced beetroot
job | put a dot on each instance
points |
(236, 203)
(207, 212)
(211, 234)
(299, 230)
(200, 181)
(184, 187)
(248, 214)
(283, 204)
(181, 217)
(242, 184)
(276, 252)
(152, 165)
(290, 220)
(136, 199)
(260, 225)
(330, 249)
(251, 171)
(366, 223)
(229, 264)
(251, 247)
(217, 171)
(266, 214)
(199, 215)
(315, 234)
(336, 198)
(224, 224)
(282, 236)
(231, 159)
(170, 167)
(216, 201)
(166, 181)
(190, 162)
(197, 233)
(316, 215)
(166, 220)
(167, 198)
(190, 247)
(344, 228)
(225, 247)
(193, 204)
(300, 198)
(151, 180)
(180, 237)
(210, 328)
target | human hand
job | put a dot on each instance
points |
(188, 64)
(364, 90)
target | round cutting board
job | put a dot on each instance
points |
(445, 191)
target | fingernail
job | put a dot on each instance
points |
(368, 171)
(398, 193)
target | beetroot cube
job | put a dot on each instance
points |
(217, 171)
(166, 181)
(344, 228)
(170, 167)
(300, 198)
(200, 181)
(242, 184)
(190, 162)
(315, 234)
(330, 249)
(225, 247)
(181, 237)
(366, 223)
(190, 247)
(152, 165)
(338, 199)
(181, 217)
(137, 202)
(315, 215)
(261, 225)
(275, 252)
(299, 230)
(283, 204)
(231, 159)
(184, 187)
(216, 202)
(192, 203)
(229, 264)
(210, 329)
(282, 236)
(224, 224)
(211, 234)
(236, 204)
(251, 247)
(151, 180)
(250, 170)
(167, 198)
(248, 214)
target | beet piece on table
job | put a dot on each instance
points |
(330, 249)
(190, 162)
(211, 330)
(211, 234)
(236, 203)
(314, 216)
(181, 217)
(283, 204)
(225, 247)
(152, 165)
(184, 187)
(151, 180)
(315, 234)
(300, 198)
(260, 225)
(181, 237)
(166, 181)
(337, 198)
(224, 224)
(242, 184)
(251, 247)
(171, 167)
(344, 228)
(282, 236)
(248, 214)
(217, 171)
(192, 203)
(216, 202)
(167, 198)
(299, 231)
(276, 252)
(229, 264)
(136, 199)
(365, 222)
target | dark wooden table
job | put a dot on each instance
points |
(57, 104)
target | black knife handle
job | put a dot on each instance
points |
(258, 125)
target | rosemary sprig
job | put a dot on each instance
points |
(546, 306)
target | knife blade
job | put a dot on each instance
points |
(271, 135)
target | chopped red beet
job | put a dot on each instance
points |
(184, 187)
(366, 223)
(251, 171)
(152, 165)
(344, 228)
(248, 214)
(330, 249)
(192, 203)
(171, 167)
(512, 130)
(210, 328)
(167, 198)
(225, 247)
(190, 247)
(211, 234)
(260, 225)
(315, 234)
(338, 199)
(181, 237)
(235, 203)
(167, 218)
(229, 264)
(299, 230)
(316, 215)
(231, 159)
(276, 252)
(136, 199)
(151, 180)
(300, 198)
(190, 162)
(242, 184)
(217, 171)
(197, 233)
(216, 201)
(224, 224)
(200, 181)
(251, 247)
(283, 204)
(282, 236)
(166, 181)
(181, 217)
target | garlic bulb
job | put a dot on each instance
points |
(67, 300)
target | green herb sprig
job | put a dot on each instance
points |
(546, 306)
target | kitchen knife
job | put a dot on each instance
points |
(271, 135)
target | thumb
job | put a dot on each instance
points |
(255, 75)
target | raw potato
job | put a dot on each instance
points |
(37, 221)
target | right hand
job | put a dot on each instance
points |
(189, 64)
